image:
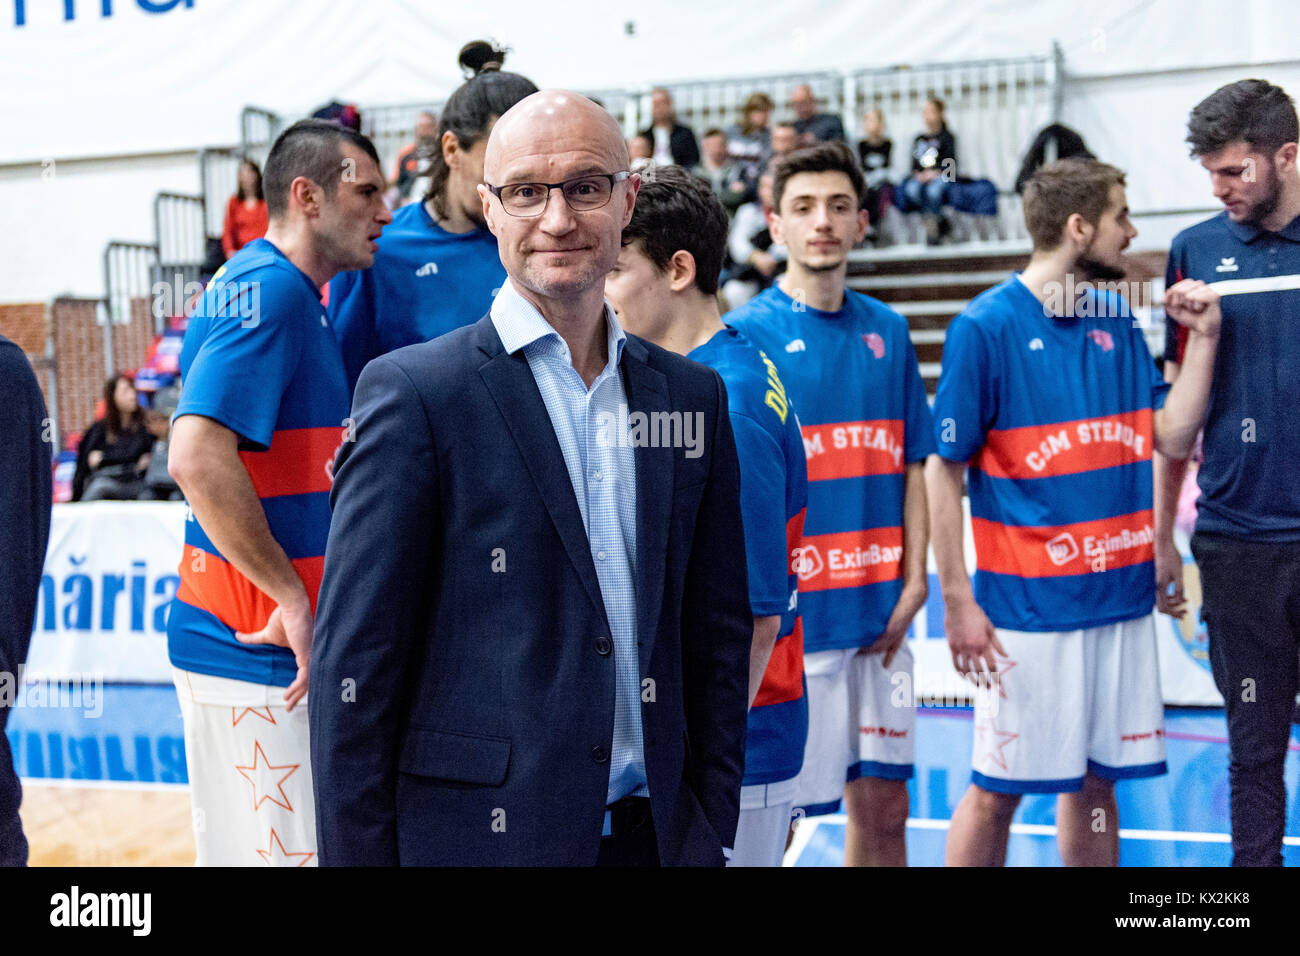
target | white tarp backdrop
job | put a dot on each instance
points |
(106, 101)
(110, 77)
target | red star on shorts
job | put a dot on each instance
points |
(1005, 666)
(998, 745)
(262, 768)
(276, 855)
(263, 712)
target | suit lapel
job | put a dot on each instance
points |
(647, 392)
(513, 388)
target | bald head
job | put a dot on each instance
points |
(552, 122)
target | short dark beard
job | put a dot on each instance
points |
(827, 268)
(1090, 270)
(1261, 210)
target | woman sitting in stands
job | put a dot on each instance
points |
(114, 453)
(246, 211)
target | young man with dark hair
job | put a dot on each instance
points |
(849, 368)
(1247, 538)
(664, 288)
(1053, 402)
(437, 267)
(263, 406)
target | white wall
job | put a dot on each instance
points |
(55, 221)
(173, 82)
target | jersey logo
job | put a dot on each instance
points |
(1103, 339)
(796, 346)
(428, 269)
(1228, 264)
(807, 562)
(1035, 345)
(875, 343)
(1062, 549)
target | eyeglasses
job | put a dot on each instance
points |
(583, 194)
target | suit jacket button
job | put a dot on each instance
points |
(599, 754)
(604, 645)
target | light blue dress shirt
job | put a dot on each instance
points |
(603, 473)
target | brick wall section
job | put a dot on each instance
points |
(24, 324)
(79, 355)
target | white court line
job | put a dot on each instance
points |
(65, 783)
(803, 834)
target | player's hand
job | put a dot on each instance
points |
(973, 642)
(909, 602)
(1169, 570)
(290, 625)
(1194, 305)
(764, 263)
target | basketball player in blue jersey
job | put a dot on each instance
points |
(1050, 395)
(263, 408)
(848, 364)
(437, 267)
(664, 289)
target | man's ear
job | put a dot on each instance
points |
(774, 226)
(1078, 231)
(864, 220)
(634, 187)
(488, 211)
(306, 195)
(681, 271)
(1284, 160)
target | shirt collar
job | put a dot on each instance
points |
(1249, 232)
(519, 325)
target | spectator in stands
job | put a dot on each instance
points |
(756, 260)
(1053, 142)
(246, 211)
(114, 452)
(640, 147)
(720, 171)
(410, 178)
(874, 152)
(673, 143)
(749, 142)
(437, 267)
(934, 169)
(813, 127)
(785, 137)
(25, 497)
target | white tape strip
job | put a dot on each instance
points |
(1265, 284)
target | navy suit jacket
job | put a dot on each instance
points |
(462, 699)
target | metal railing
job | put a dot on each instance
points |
(258, 129)
(179, 233)
(130, 271)
(218, 181)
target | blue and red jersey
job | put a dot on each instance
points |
(425, 281)
(773, 499)
(852, 376)
(1054, 415)
(1249, 486)
(260, 358)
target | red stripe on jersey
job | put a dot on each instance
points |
(218, 587)
(853, 449)
(300, 461)
(794, 537)
(783, 679)
(1059, 550)
(1066, 448)
(850, 559)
